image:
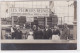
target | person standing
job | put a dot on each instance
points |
(30, 35)
(47, 33)
(18, 34)
(13, 31)
(39, 34)
(24, 33)
(34, 31)
(56, 33)
(7, 35)
(65, 32)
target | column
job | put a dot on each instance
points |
(75, 21)
(12, 21)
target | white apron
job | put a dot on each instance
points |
(55, 37)
(30, 37)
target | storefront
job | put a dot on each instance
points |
(34, 16)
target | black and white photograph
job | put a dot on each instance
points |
(38, 25)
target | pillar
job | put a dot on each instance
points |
(75, 21)
(12, 21)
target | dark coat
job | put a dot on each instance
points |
(56, 32)
(14, 33)
(18, 35)
(38, 34)
(34, 34)
(47, 34)
(65, 33)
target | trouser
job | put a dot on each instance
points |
(65, 37)
(13, 35)
(24, 36)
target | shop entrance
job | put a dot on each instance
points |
(22, 20)
(39, 21)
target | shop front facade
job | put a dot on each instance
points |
(33, 16)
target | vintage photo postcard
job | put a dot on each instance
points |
(38, 25)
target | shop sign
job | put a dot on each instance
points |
(29, 12)
(30, 19)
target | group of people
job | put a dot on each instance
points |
(49, 33)
(38, 33)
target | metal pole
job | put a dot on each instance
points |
(45, 21)
(61, 20)
(68, 10)
(13, 5)
(12, 21)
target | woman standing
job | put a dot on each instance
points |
(56, 33)
(47, 34)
